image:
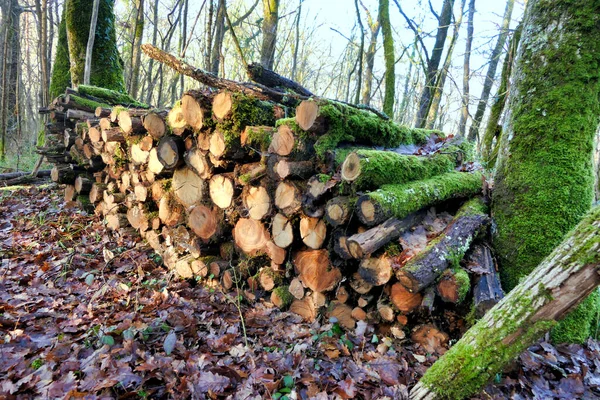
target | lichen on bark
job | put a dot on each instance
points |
(544, 178)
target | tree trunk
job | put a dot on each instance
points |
(150, 78)
(491, 72)
(374, 26)
(10, 73)
(217, 38)
(269, 32)
(361, 52)
(433, 63)
(555, 287)
(90, 43)
(544, 177)
(388, 53)
(137, 32)
(296, 43)
(107, 68)
(464, 109)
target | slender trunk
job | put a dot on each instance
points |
(10, 66)
(443, 73)
(434, 62)
(544, 174)
(208, 35)
(388, 54)
(464, 110)
(150, 78)
(406, 95)
(361, 52)
(217, 39)
(297, 43)
(137, 35)
(370, 60)
(269, 32)
(90, 43)
(491, 72)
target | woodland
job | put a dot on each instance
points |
(374, 199)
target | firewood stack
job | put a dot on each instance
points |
(300, 205)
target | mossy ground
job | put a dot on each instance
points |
(544, 179)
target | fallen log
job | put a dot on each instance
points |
(487, 291)
(562, 280)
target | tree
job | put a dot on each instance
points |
(137, 31)
(388, 54)
(269, 32)
(61, 77)
(107, 66)
(374, 27)
(491, 72)
(464, 110)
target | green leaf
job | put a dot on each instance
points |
(288, 381)
(285, 390)
(107, 339)
(375, 339)
(276, 395)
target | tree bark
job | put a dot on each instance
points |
(555, 287)
(542, 190)
(269, 32)
(491, 72)
(464, 109)
(388, 54)
(374, 27)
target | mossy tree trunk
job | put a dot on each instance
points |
(555, 287)
(544, 177)
(107, 66)
(61, 77)
(269, 31)
(9, 71)
(388, 53)
(374, 27)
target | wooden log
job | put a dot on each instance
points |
(294, 169)
(318, 190)
(401, 200)
(365, 243)
(275, 253)
(296, 289)
(283, 141)
(63, 174)
(137, 218)
(113, 134)
(130, 124)
(222, 190)
(175, 120)
(154, 123)
(448, 248)
(428, 301)
(271, 79)
(257, 137)
(83, 185)
(170, 151)
(561, 281)
(305, 308)
(487, 291)
(196, 107)
(169, 211)
(288, 197)
(339, 210)
(70, 193)
(137, 155)
(102, 112)
(269, 278)
(376, 271)
(203, 221)
(250, 236)
(141, 192)
(315, 271)
(116, 222)
(281, 297)
(256, 201)
(313, 232)
(342, 313)
(197, 160)
(370, 169)
(96, 192)
(282, 230)
(189, 188)
(403, 299)
(109, 96)
(248, 173)
(339, 242)
(359, 285)
(453, 285)
(386, 312)
(154, 164)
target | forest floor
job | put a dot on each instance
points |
(84, 313)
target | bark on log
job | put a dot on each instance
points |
(271, 79)
(447, 249)
(400, 200)
(487, 291)
(562, 280)
(339, 210)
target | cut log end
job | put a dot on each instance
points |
(351, 167)
(404, 300)
(306, 114)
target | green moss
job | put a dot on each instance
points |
(87, 104)
(284, 294)
(544, 179)
(483, 351)
(401, 200)
(247, 111)
(393, 249)
(260, 139)
(61, 77)
(111, 97)
(107, 66)
(578, 326)
(324, 178)
(378, 168)
(464, 283)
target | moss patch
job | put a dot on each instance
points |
(61, 77)
(111, 97)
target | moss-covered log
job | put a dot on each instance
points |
(400, 200)
(563, 279)
(343, 123)
(544, 174)
(107, 66)
(111, 97)
(447, 249)
(370, 169)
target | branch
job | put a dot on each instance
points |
(414, 28)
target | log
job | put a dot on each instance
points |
(110, 96)
(129, 123)
(376, 271)
(203, 221)
(138, 155)
(359, 285)
(275, 253)
(154, 164)
(188, 187)
(283, 141)
(401, 200)
(197, 160)
(340, 244)
(175, 120)
(83, 185)
(403, 299)
(339, 210)
(195, 107)
(305, 308)
(113, 134)
(257, 201)
(257, 137)
(270, 78)
(63, 174)
(154, 123)
(363, 244)
(268, 278)
(370, 169)
(288, 197)
(102, 112)
(282, 230)
(250, 236)
(116, 222)
(293, 169)
(315, 271)
(318, 190)
(169, 211)
(69, 193)
(447, 249)
(313, 232)
(248, 173)
(487, 291)
(281, 297)
(221, 189)
(170, 151)
(296, 289)
(96, 192)
(137, 218)
(454, 285)
(343, 315)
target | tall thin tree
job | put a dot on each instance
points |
(388, 54)
(464, 108)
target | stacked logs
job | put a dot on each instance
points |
(306, 209)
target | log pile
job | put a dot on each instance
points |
(300, 206)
